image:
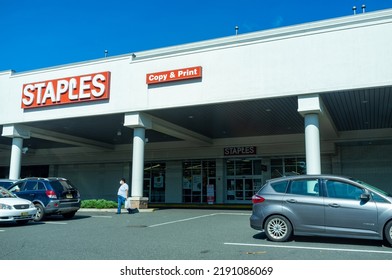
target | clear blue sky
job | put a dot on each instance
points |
(42, 33)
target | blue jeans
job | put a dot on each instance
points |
(120, 201)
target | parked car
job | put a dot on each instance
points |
(322, 205)
(5, 183)
(49, 195)
(15, 209)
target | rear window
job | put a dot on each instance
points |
(61, 186)
(280, 187)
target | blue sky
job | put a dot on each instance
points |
(43, 33)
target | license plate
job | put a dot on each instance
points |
(24, 214)
(69, 196)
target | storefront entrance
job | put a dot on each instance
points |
(154, 181)
(244, 177)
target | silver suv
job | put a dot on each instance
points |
(322, 205)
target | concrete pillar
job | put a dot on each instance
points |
(312, 144)
(16, 158)
(139, 123)
(17, 133)
(311, 108)
(138, 161)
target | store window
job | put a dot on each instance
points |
(154, 181)
(199, 181)
(244, 177)
(287, 166)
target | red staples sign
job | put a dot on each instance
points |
(174, 75)
(90, 87)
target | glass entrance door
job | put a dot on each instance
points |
(242, 189)
(244, 177)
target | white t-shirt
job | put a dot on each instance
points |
(122, 190)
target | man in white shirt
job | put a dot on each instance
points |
(122, 194)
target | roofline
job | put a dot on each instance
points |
(322, 26)
(346, 22)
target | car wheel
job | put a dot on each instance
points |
(388, 232)
(69, 215)
(40, 212)
(278, 228)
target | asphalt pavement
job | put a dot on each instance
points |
(169, 234)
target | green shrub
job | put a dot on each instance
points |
(98, 203)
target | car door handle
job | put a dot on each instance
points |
(334, 205)
(291, 200)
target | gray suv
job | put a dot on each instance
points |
(322, 205)
(49, 195)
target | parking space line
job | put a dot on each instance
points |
(109, 217)
(2, 230)
(56, 223)
(182, 220)
(309, 248)
(197, 217)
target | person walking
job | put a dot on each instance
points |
(122, 194)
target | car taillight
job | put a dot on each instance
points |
(51, 194)
(257, 199)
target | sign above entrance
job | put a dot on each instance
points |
(239, 151)
(90, 87)
(174, 75)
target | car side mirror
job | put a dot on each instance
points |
(365, 196)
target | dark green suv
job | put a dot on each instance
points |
(49, 195)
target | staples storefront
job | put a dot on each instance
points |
(209, 122)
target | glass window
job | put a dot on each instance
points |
(197, 175)
(304, 187)
(343, 190)
(378, 198)
(154, 181)
(30, 186)
(280, 187)
(287, 166)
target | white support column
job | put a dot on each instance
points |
(138, 162)
(139, 123)
(312, 144)
(17, 133)
(310, 107)
(16, 158)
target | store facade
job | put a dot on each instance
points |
(209, 122)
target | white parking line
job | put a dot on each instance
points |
(197, 217)
(56, 223)
(109, 217)
(1, 230)
(182, 220)
(309, 248)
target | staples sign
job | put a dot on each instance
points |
(173, 75)
(90, 87)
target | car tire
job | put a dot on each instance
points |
(388, 233)
(69, 215)
(278, 228)
(40, 212)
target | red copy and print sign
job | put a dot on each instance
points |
(174, 75)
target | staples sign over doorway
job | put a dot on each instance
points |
(90, 87)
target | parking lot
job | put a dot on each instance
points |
(170, 234)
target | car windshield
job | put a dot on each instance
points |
(5, 184)
(373, 188)
(5, 193)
